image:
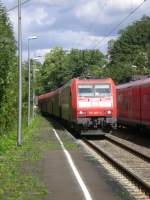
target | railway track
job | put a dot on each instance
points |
(138, 150)
(133, 164)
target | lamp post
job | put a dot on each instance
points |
(33, 74)
(19, 76)
(29, 80)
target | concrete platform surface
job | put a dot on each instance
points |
(60, 179)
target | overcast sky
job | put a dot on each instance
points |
(72, 23)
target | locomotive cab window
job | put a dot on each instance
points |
(85, 91)
(102, 90)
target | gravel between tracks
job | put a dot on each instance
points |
(130, 161)
(139, 142)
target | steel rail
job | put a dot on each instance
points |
(132, 176)
(128, 148)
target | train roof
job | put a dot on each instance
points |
(134, 83)
(77, 80)
(42, 96)
(104, 80)
(47, 95)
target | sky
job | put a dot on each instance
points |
(82, 24)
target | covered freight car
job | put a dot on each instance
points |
(133, 103)
(84, 104)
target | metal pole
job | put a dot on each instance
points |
(29, 79)
(19, 75)
(33, 114)
(28, 117)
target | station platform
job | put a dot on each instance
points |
(61, 180)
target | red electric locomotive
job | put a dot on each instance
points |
(133, 103)
(84, 104)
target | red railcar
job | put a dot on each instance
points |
(83, 103)
(133, 103)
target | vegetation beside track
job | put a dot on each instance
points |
(19, 166)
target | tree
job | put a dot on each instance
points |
(131, 49)
(85, 62)
(53, 70)
(60, 66)
(8, 73)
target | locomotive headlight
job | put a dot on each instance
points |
(109, 112)
(82, 112)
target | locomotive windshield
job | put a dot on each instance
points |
(85, 91)
(102, 90)
(91, 90)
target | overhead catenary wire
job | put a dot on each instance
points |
(16, 6)
(119, 24)
(114, 28)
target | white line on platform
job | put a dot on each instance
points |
(74, 169)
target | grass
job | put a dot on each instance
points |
(70, 145)
(19, 170)
(20, 166)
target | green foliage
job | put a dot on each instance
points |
(130, 54)
(120, 73)
(54, 69)
(8, 73)
(61, 66)
(85, 62)
(9, 76)
(36, 69)
(19, 172)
